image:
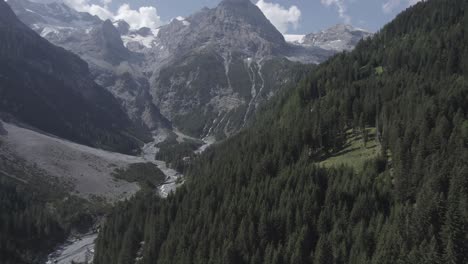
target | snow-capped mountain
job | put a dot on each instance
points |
(51, 89)
(337, 38)
(80, 32)
(206, 73)
(142, 39)
(53, 20)
(136, 40)
(218, 65)
(100, 44)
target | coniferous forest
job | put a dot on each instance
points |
(264, 197)
(37, 216)
(28, 228)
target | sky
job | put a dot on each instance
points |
(289, 16)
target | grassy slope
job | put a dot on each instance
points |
(355, 152)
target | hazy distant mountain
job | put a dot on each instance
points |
(337, 38)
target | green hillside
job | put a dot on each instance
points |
(263, 196)
(37, 212)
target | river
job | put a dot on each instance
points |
(80, 249)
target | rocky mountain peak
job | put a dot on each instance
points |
(122, 26)
(50, 13)
(110, 32)
(234, 26)
(244, 12)
(109, 41)
(239, 4)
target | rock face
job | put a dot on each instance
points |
(219, 65)
(233, 26)
(52, 89)
(53, 13)
(205, 74)
(122, 26)
(214, 75)
(337, 38)
(100, 44)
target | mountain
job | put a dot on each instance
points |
(52, 17)
(363, 162)
(205, 74)
(233, 26)
(80, 32)
(52, 89)
(219, 65)
(338, 38)
(99, 43)
(50, 187)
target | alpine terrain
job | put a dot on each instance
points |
(365, 161)
(204, 75)
(215, 138)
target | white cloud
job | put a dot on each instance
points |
(145, 16)
(282, 18)
(390, 5)
(341, 7)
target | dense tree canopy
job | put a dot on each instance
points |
(262, 197)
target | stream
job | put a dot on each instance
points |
(81, 249)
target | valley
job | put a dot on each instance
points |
(89, 172)
(81, 248)
(231, 135)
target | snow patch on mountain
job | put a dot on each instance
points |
(147, 41)
(183, 20)
(337, 38)
(294, 39)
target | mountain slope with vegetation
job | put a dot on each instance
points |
(37, 212)
(263, 197)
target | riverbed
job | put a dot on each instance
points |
(81, 249)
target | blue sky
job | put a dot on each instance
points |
(290, 16)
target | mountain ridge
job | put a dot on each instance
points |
(155, 75)
(340, 37)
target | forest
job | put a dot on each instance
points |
(263, 197)
(36, 215)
